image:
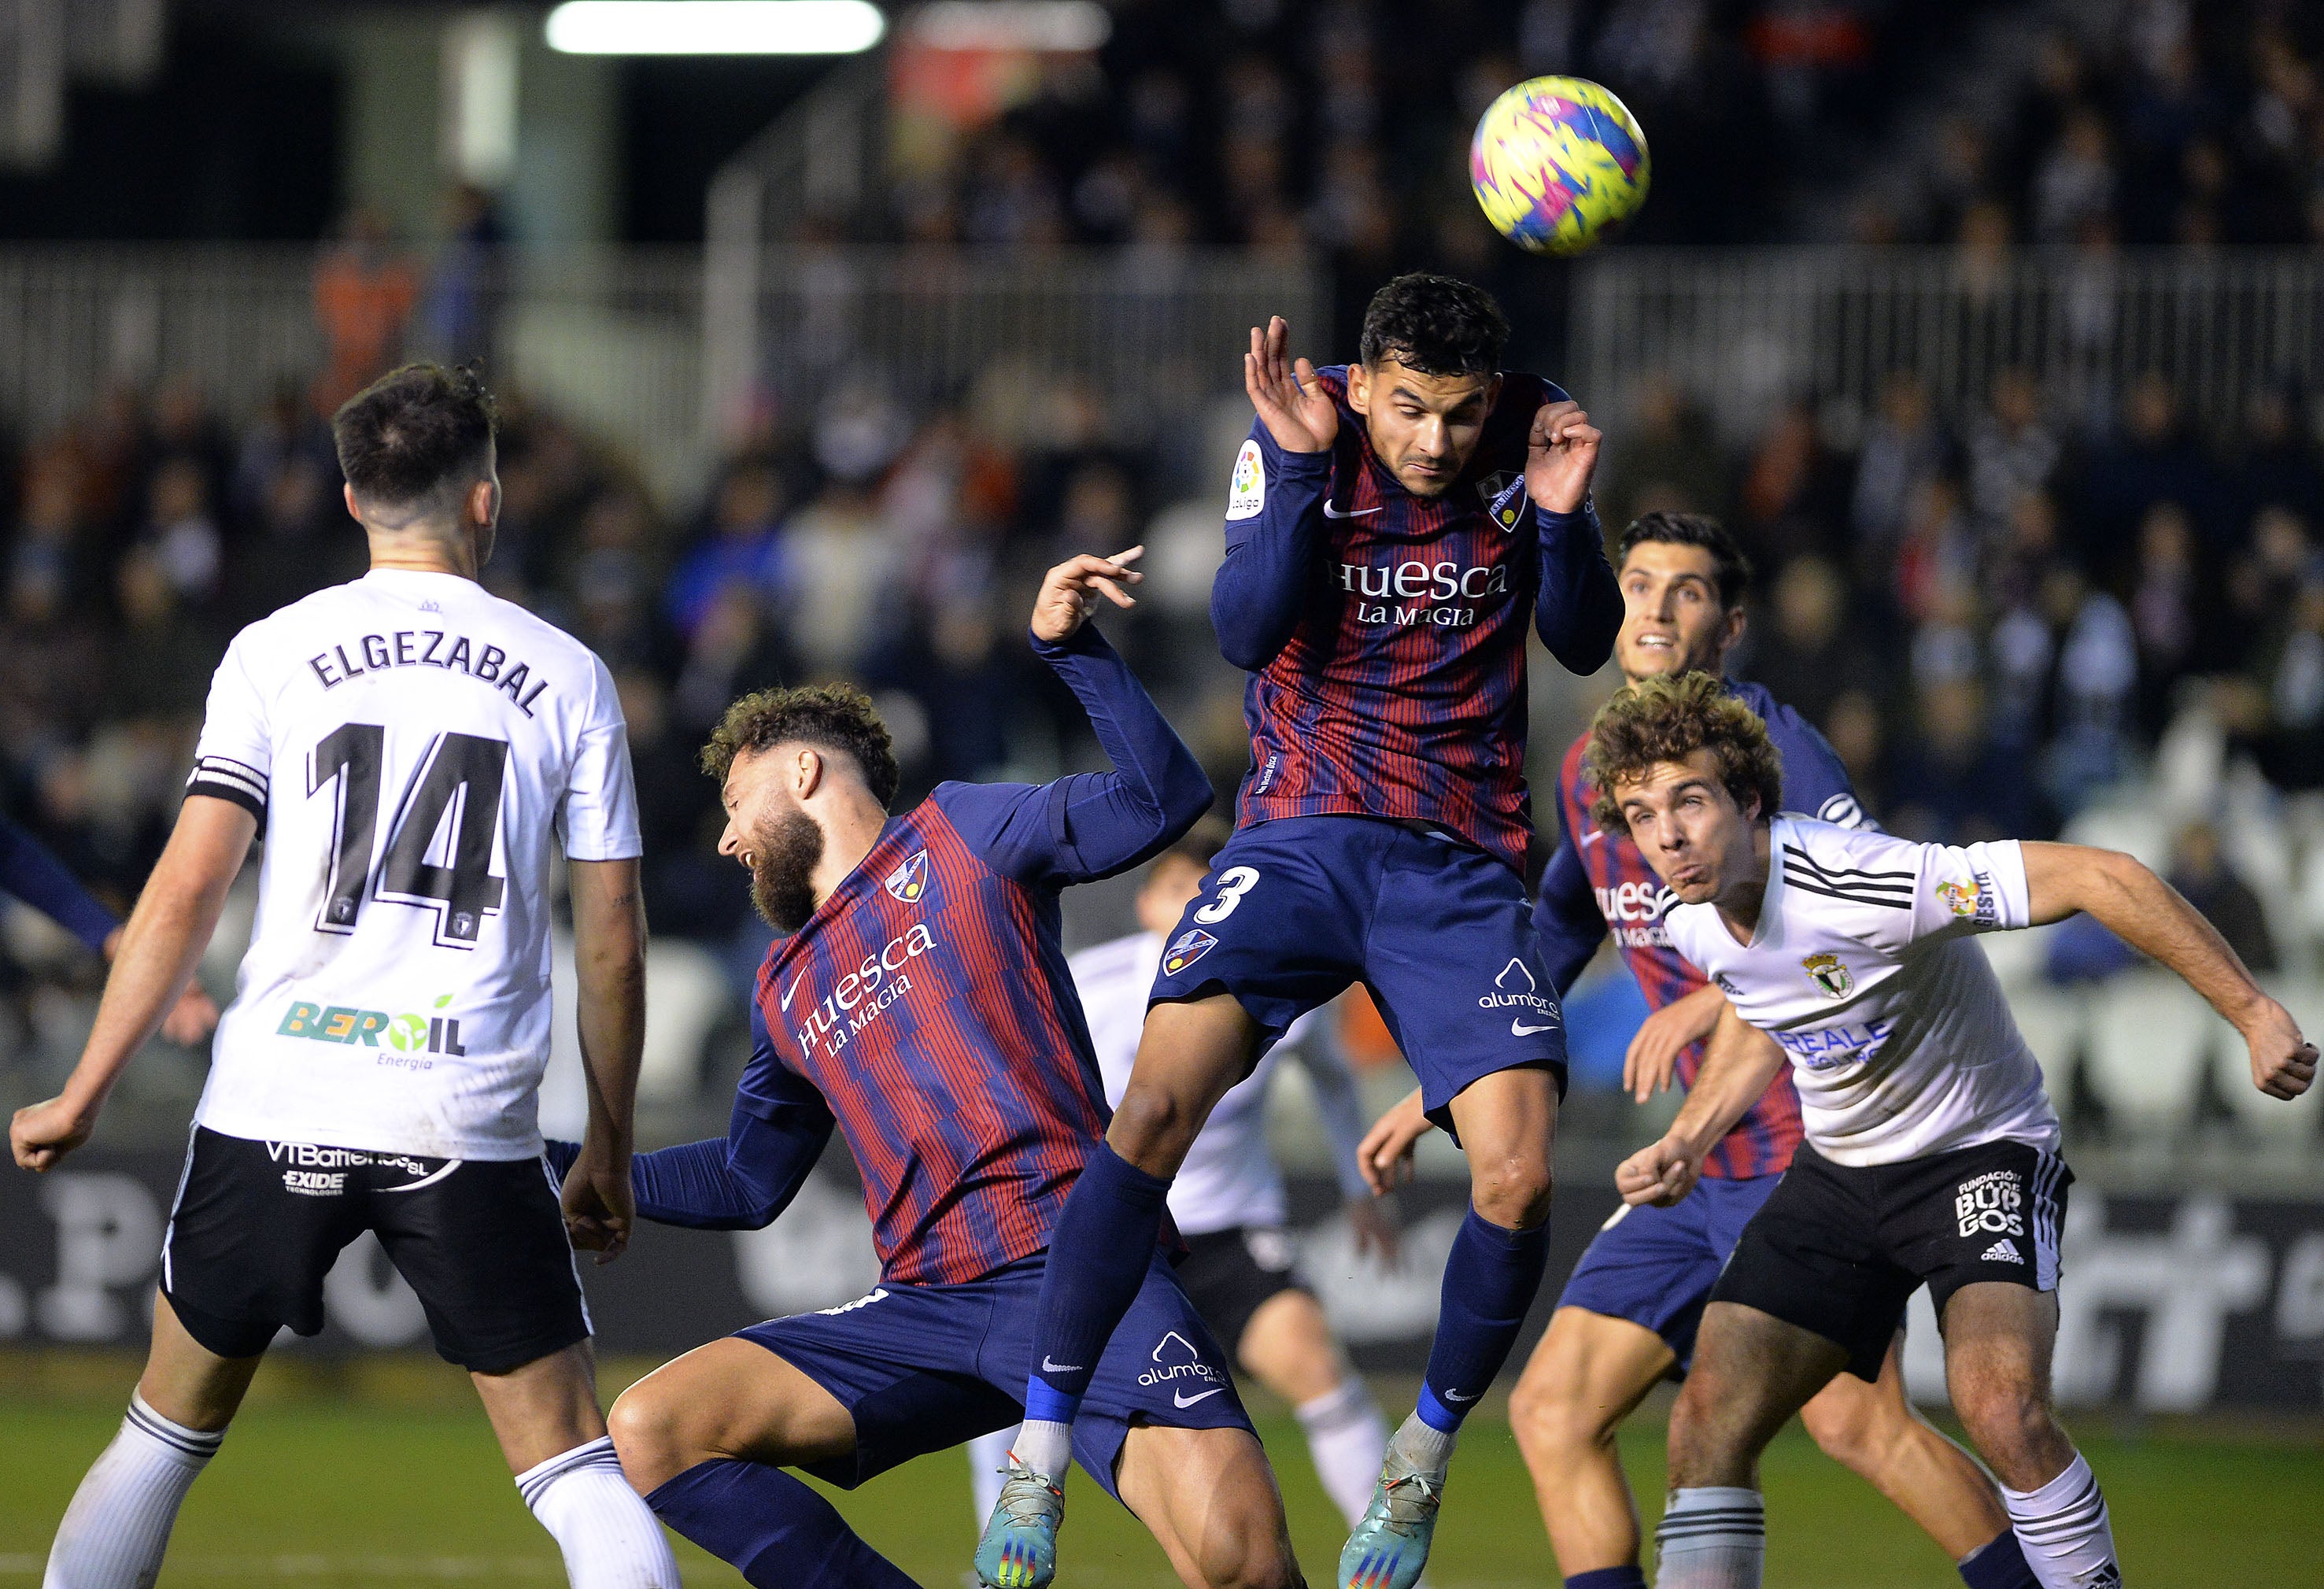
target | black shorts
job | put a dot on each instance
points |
(1837, 1249)
(1228, 1274)
(257, 1226)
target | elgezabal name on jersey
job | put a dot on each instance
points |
(428, 648)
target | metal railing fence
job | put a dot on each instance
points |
(1743, 329)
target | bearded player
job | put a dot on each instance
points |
(921, 1005)
(1393, 527)
(1628, 1316)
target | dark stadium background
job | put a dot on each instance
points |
(1997, 331)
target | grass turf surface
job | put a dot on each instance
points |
(315, 1490)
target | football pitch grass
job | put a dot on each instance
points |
(391, 1476)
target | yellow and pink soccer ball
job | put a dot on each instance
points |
(1558, 164)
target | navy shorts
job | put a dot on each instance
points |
(1656, 1265)
(925, 1368)
(1295, 909)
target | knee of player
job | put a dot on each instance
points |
(1557, 1421)
(2006, 1416)
(1852, 1429)
(1511, 1189)
(647, 1438)
(1250, 1557)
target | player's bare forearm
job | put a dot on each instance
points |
(609, 958)
(2147, 913)
(159, 947)
(1738, 1063)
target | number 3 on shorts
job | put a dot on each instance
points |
(1233, 883)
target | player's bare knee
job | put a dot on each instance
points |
(648, 1438)
(1249, 1554)
(1855, 1430)
(2012, 1427)
(1511, 1189)
(1555, 1424)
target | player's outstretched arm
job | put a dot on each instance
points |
(1088, 825)
(1275, 510)
(159, 949)
(1738, 1062)
(2152, 917)
(1579, 607)
(609, 963)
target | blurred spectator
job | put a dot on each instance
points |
(1903, 447)
(363, 294)
(2011, 452)
(740, 551)
(1665, 457)
(1951, 782)
(1805, 653)
(459, 320)
(2201, 871)
(179, 535)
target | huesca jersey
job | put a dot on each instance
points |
(411, 745)
(1862, 967)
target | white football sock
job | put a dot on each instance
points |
(1347, 1436)
(1424, 1445)
(2069, 1538)
(1712, 1537)
(1045, 1446)
(610, 1538)
(117, 1527)
(987, 1455)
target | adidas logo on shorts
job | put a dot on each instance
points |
(2005, 1250)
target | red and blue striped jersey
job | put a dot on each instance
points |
(924, 1008)
(1385, 632)
(1598, 881)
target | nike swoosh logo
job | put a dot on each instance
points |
(1182, 1400)
(1518, 1029)
(1332, 512)
(786, 1002)
(1455, 1395)
(1592, 836)
(1058, 1368)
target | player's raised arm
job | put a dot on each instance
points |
(2152, 917)
(1738, 1062)
(1090, 825)
(158, 952)
(1275, 501)
(1578, 609)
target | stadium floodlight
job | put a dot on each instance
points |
(716, 27)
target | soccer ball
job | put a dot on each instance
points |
(1557, 164)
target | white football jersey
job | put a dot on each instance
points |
(1230, 1177)
(1862, 967)
(409, 743)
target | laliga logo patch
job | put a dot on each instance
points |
(1191, 946)
(1971, 900)
(1827, 974)
(909, 881)
(1504, 493)
(1246, 489)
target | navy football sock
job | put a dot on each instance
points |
(1609, 1578)
(1489, 1283)
(1998, 1564)
(1099, 1254)
(778, 1533)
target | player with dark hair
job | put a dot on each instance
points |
(1931, 1149)
(1627, 1315)
(1393, 529)
(921, 1005)
(411, 747)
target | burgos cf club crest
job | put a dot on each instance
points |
(1188, 948)
(1504, 493)
(910, 881)
(1827, 972)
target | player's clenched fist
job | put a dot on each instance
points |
(1070, 592)
(1291, 401)
(2283, 1062)
(1660, 1173)
(41, 1134)
(1561, 455)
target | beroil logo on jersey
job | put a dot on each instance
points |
(409, 1037)
(910, 881)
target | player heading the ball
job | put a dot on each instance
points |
(1394, 527)
(1931, 1152)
